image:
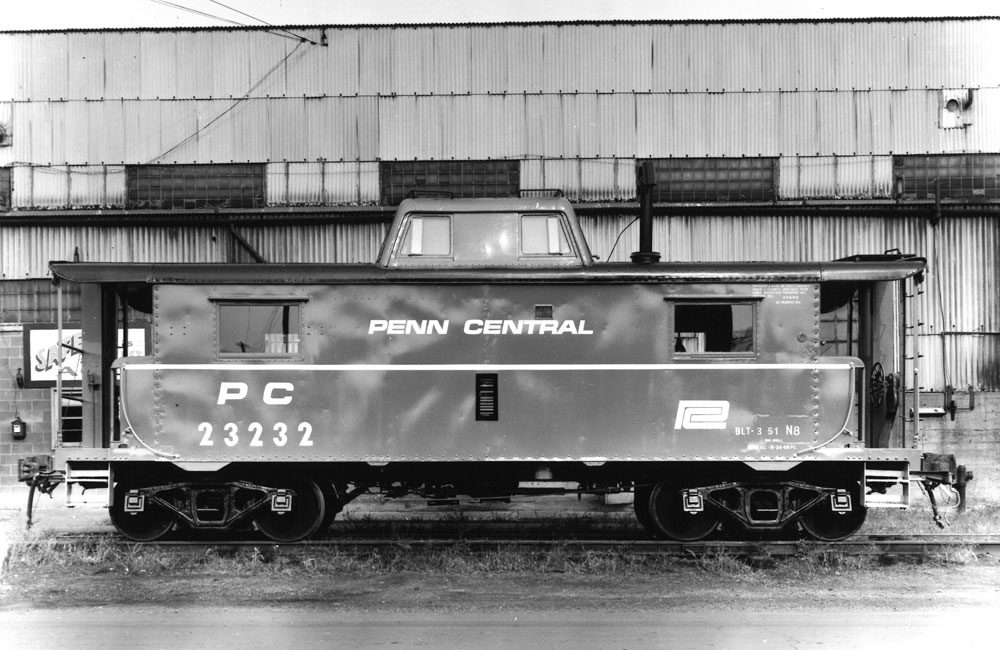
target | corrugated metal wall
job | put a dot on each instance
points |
(489, 126)
(406, 60)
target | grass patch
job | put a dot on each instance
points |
(976, 520)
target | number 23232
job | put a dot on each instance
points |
(279, 435)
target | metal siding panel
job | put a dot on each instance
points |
(696, 57)
(598, 180)
(114, 185)
(526, 62)
(368, 183)
(230, 69)
(328, 243)
(32, 131)
(487, 56)
(85, 186)
(276, 183)
(294, 183)
(265, 52)
(376, 55)
(616, 125)
(85, 54)
(368, 129)
(27, 250)
(10, 45)
(47, 66)
(532, 173)
(157, 65)
(341, 182)
(394, 130)
(451, 60)
(22, 187)
(564, 175)
(122, 67)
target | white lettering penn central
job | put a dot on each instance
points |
(701, 414)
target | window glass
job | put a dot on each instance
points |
(542, 235)
(259, 328)
(712, 327)
(428, 236)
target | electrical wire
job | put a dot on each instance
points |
(245, 96)
(619, 237)
(280, 29)
(165, 3)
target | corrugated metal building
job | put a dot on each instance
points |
(869, 135)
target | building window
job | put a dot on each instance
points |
(959, 176)
(460, 178)
(706, 328)
(685, 180)
(258, 329)
(188, 187)
(4, 189)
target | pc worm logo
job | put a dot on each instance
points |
(701, 414)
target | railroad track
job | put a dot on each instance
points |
(875, 545)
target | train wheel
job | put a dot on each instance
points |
(667, 515)
(640, 504)
(147, 526)
(825, 525)
(331, 503)
(304, 519)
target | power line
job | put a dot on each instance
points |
(280, 29)
(166, 3)
(234, 104)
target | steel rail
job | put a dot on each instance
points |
(872, 545)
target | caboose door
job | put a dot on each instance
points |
(881, 339)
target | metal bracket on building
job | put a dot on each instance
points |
(949, 404)
(245, 245)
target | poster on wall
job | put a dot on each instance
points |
(41, 353)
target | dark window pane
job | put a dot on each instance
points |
(462, 178)
(958, 176)
(185, 187)
(682, 180)
(702, 328)
(5, 185)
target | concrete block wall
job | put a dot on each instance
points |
(32, 405)
(973, 437)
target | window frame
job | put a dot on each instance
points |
(732, 301)
(408, 231)
(563, 233)
(262, 301)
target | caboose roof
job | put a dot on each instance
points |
(859, 269)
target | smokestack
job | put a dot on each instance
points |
(645, 182)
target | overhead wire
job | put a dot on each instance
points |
(236, 103)
(166, 3)
(286, 34)
(280, 29)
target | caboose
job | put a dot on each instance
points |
(487, 353)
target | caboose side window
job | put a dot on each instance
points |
(258, 328)
(719, 328)
(542, 234)
(428, 236)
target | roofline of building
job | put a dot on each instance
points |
(320, 215)
(572, 23)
